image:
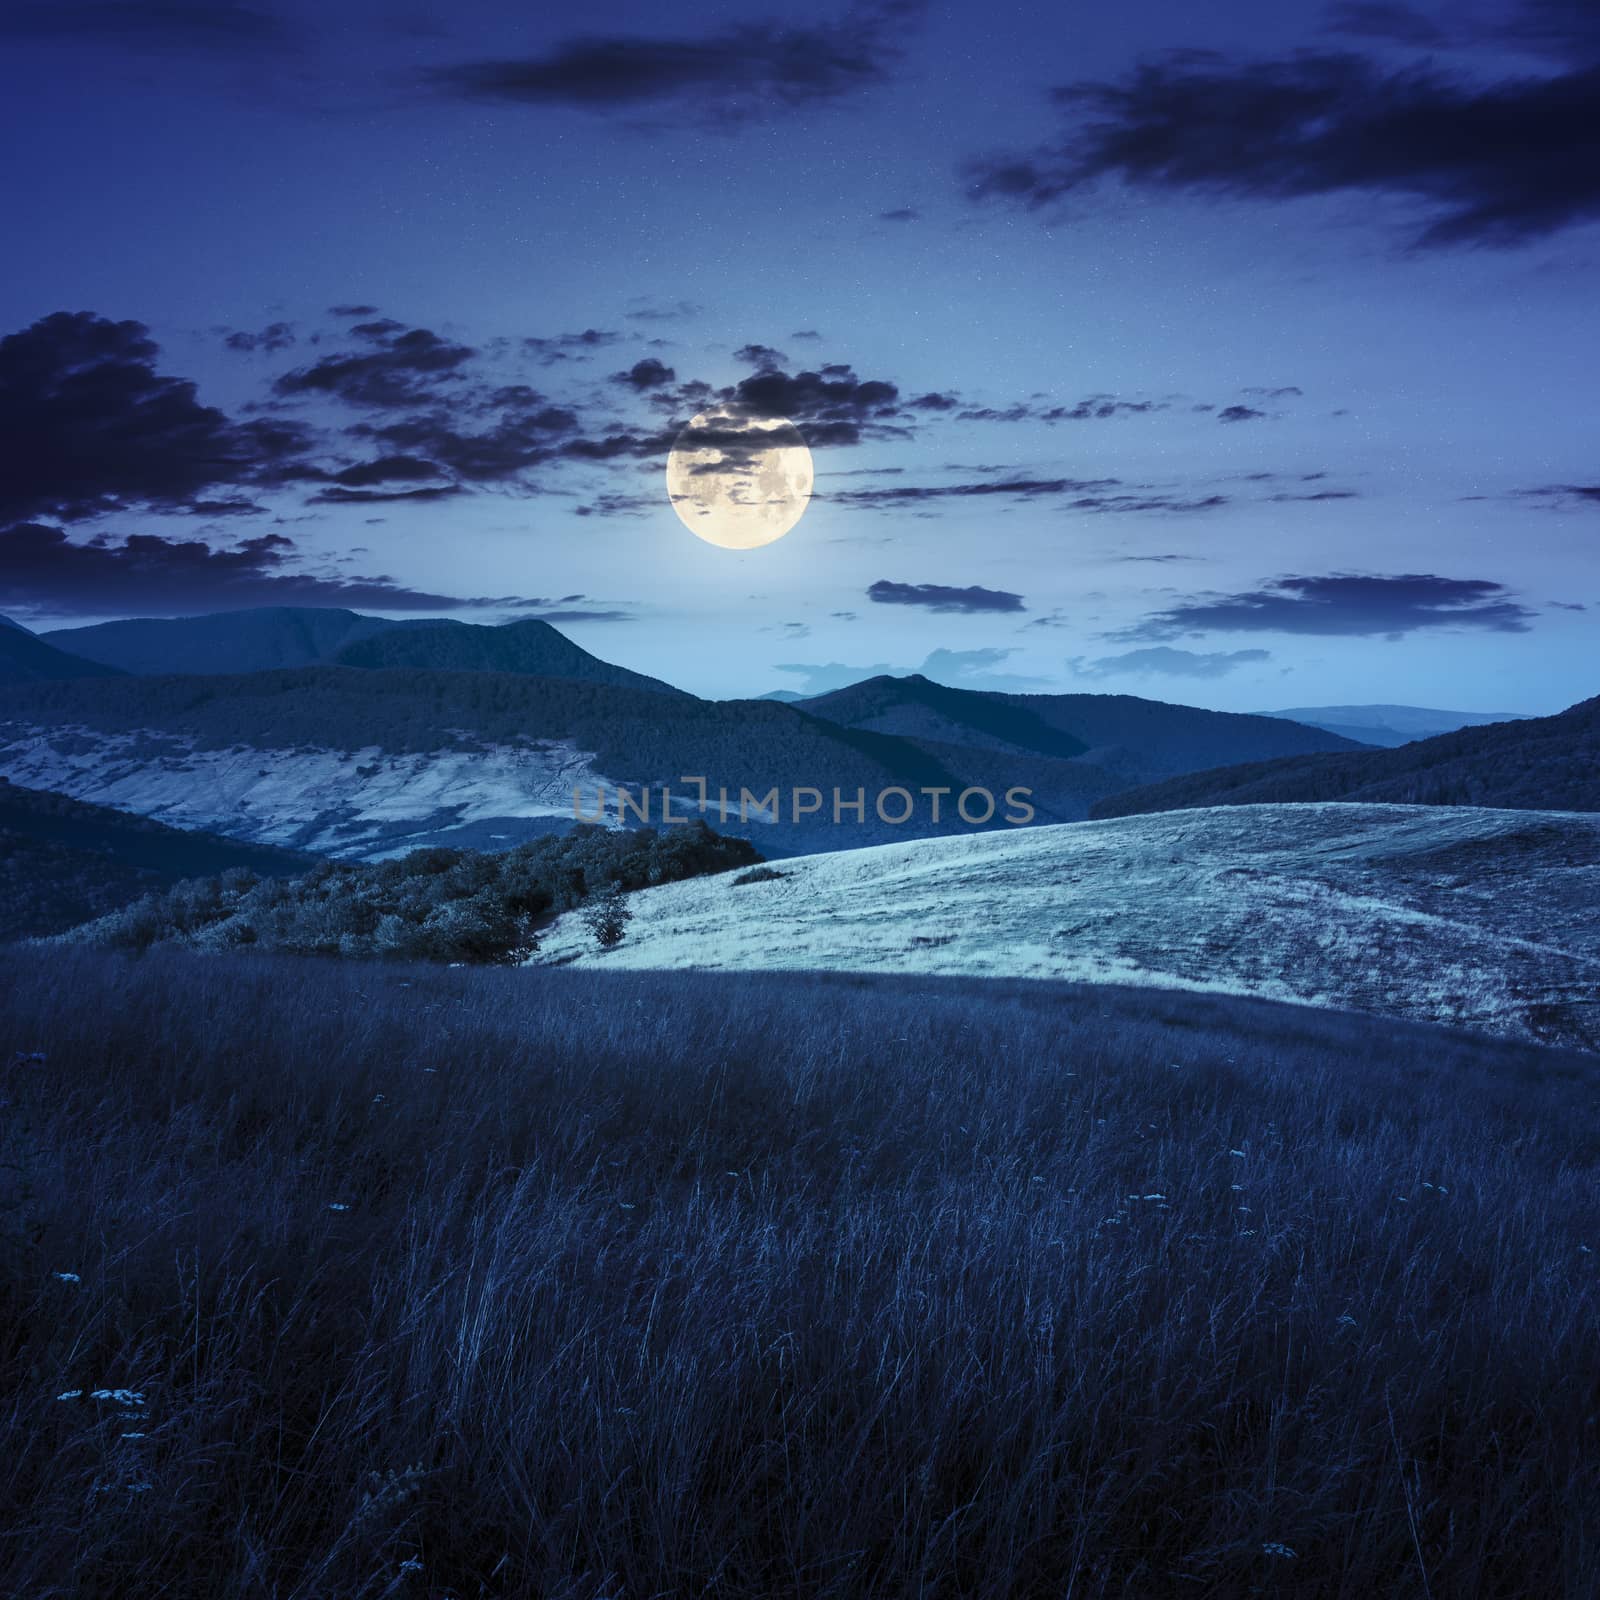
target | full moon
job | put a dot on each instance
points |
(739, 481)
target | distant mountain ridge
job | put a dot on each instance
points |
(1120, 733)
(1540, 763)
(26, 658)
(273, 638)
(1391, 726)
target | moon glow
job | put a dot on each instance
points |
(739, 481)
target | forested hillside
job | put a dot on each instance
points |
(63, 861)
(1543, 763)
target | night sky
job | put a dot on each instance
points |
(1244, 362)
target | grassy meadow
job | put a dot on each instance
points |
(355, 1280)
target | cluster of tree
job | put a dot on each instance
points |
(432, 905)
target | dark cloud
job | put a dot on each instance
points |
(934, 400)
(224, 508)
(1287, 391)
(570, 346)
(1564, 496)
(1497, 163)
(1093, 408)
(1167, 662)
(42, 571)
(1564, 30)
(608, 615)
(1093, 495)
(744, 73)
(402, 367)
(760, 355)
(646, 374)
(337, 496)
(520, 430)
(1343, 605)
(275, 336)
(1239, 414)
(833, 394)
(939, 597)
(806, 333)
(387, 469)
(89, 425)
(1382, 19)
(900, 214)
(1018, 488)
(352, 311)
(676, 311)
(620, 505)
(159, 25)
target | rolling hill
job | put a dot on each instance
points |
(1477, 918)
(1541, 762)
(63, 861)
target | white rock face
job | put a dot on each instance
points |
(1481, 918)
(361, 806)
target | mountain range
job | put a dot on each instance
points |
(275, 637)
(1389, 726)
(400, 735)
(26, 658)
(1539, 763)
(357, 737)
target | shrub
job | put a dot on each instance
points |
(607, 917)
(759, 875)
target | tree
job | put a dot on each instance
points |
(607, 916)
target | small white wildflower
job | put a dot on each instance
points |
(627, 1205)
(1586, 1250)
(69, 1277)
(1244, 1208)
(70, 1394)
(1346, 1321)
(1238, 1188)
(1246, 1233)
(1155, 1197)
(378, 1099)
(1441, 1188)
(1403, 1199)
(1035, 1180)
(1282, 1551)
(1239, 1153)
(430, 1069)
(121, 1397)
(337, 1205)
(411, 1564)
(133, 1436)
